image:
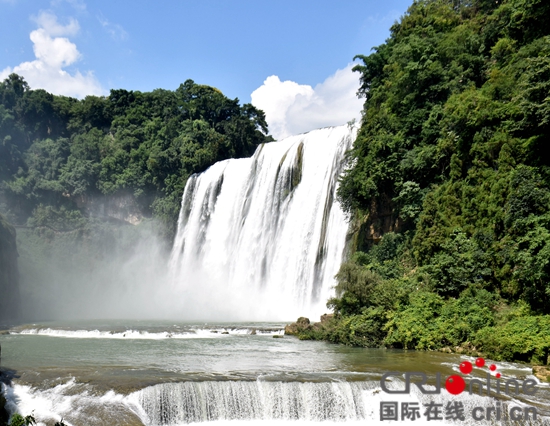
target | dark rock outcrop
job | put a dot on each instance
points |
(4, 415)
(299, 326)
(9, 274)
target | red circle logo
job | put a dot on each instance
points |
(455, 384)
(466, 367)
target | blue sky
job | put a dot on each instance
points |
(288, 53)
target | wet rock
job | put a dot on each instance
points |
(303, 322)
(4, 416)
(542, 373)
(300, 325)
(326, 318)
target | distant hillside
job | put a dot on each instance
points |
(124, 156)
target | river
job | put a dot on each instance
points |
(169, 373)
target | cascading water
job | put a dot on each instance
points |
(283, 403)
(262, 237)
(190, 402)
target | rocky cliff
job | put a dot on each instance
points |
(9, 274)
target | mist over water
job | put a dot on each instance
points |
(261, 238)
(113, 271)
(258, 239)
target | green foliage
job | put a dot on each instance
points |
(526, 339)
(365, 329)
(60, 153)
(460, 263)
(430, 322)
(18, 420)
(355, 286)
(452, 149)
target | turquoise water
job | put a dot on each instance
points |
(135, 373)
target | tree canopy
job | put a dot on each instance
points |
(58, 153)
(448, 183)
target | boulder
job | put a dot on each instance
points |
(300, 325)
(542, 373)
(326, 318)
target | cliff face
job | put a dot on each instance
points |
(9, 274)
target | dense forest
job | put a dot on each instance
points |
(59, 156)
(75, 175)
(448, 186)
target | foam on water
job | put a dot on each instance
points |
(204, 333)
(71, 402)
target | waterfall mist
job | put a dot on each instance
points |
(258, 238)
(111, 271)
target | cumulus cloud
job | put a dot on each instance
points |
(47, 22)
(293, 108)
(54, 52)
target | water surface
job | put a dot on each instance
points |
(137, 372)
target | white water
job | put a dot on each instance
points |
(197, 333)
(284, 402)
(261, 238)
(235, 402)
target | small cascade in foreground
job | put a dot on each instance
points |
(262, 237)
(193, 402)
(269, 402)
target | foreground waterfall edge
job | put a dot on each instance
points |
(233, 402)
(261, 238)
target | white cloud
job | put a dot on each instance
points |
(47, 22)
(53, 53)
(293, 108)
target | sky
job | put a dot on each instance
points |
(291, 58)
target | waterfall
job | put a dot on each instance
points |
(193, 402)
(284, 403)
(261, 238)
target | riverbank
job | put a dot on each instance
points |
(336, 329)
